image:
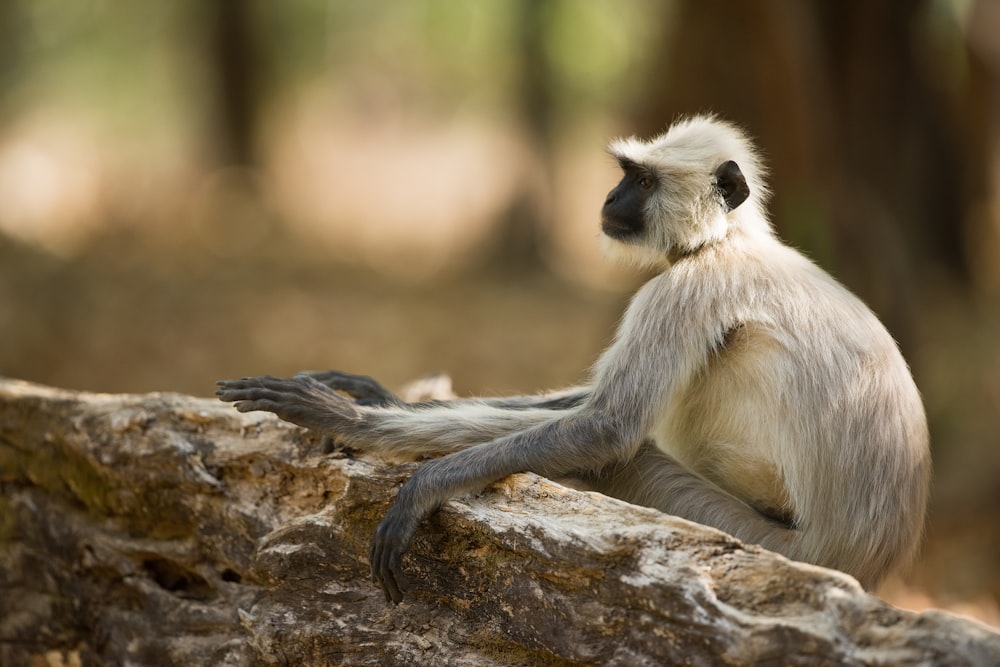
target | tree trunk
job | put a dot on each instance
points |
(164, 529)
(233, 54)
(879, 170)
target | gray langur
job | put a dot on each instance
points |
(745, 388)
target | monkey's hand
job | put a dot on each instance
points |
(391, 540)
(300, 400)
(363, 389)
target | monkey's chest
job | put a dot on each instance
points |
(730, 424)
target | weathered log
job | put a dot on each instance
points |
(165, 529)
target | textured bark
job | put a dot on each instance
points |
(164, 529)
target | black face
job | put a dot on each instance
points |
(623, 216)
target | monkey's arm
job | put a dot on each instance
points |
(367, 391)
(564, 444)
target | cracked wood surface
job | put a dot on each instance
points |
(165, 529)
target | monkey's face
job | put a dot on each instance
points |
(623, 217)
(678, 190)
(662, 208)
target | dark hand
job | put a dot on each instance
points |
(391, 540)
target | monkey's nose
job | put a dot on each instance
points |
(610, 199)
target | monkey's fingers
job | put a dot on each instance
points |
(386, 558)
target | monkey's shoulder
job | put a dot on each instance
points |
(764, 293)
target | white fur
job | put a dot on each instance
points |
(688, 215)
(745, 389)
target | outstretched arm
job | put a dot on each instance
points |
(564, 444)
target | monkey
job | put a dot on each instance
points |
(745, 388)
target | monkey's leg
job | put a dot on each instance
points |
(654, 479)
(565, 399)
(368, 391)
(400, 430)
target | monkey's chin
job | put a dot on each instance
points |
(633, 256)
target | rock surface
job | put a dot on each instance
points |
(168, 530)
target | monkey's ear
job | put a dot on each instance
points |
(731, 183)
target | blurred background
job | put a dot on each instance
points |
(200, 189)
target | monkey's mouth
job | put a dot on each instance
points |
(618, 229)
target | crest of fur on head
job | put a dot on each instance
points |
(703, 178)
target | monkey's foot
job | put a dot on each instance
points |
(363, 389)
(300, 400)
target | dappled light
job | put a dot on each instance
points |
(196, 190)
(51, 183)
(407, 196)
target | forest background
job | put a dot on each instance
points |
(214, 188)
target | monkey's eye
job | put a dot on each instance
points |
(645, 182)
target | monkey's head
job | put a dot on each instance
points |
(683, 190)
